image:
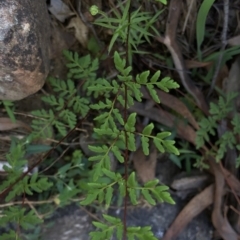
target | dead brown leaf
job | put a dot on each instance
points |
(232, 181)
(222, 76)
(175, 104)
(81, 30)
(6, 124)
(191, 210)
(145, 165)
(186, 181)
(156, 114)
(219, 221)
(234, 41)
(196, 64)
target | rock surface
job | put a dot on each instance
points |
(74, 224)
(69, 223)
(24, 43)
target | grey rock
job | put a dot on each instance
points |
(77, 224)
(24, 47)
(70, 223)
(161, 216)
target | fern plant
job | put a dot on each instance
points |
(113, 126)
(208, 126)
(83, 68)
(25, 186)
(67, 106)
(121, 134)
(132, 28)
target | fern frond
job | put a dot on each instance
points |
(17, 215)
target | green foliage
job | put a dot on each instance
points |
(43, 122)
(208, 126)
(28, 185)
(16, 163)
(9, 107)
(67, 106)
(115, 225)
(66, 186)
(113, 126)
(121, 132)
(14, 169)
(218, 112)
(200, 163)
(132, 28)
(201, 22)
(19, 216)
(83, 69)
(225, 55)
(10, 235)
(162, 1)
(186, 157)
(80, 67)
(111, 123)
(103, 192)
